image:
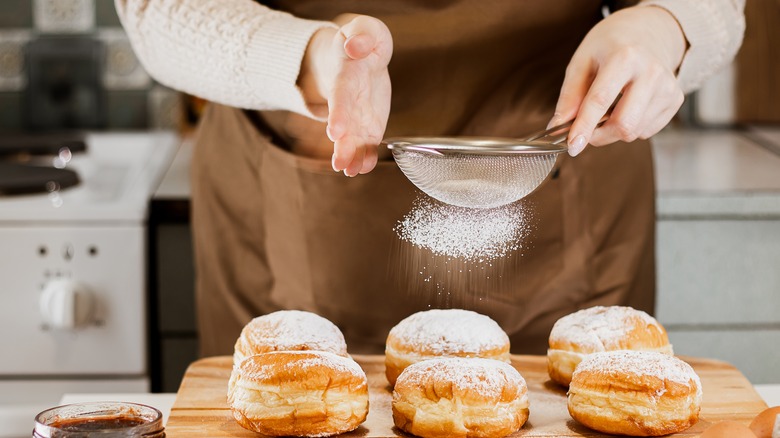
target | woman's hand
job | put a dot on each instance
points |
(347, 70)
(635, 52)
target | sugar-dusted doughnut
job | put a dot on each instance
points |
(601, 329)
(289, 330)
(298, 393)
(443, 333)
(460, 397)
(637, 393)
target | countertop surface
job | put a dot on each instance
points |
(721, 173)
(175, 185)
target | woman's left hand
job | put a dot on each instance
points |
(633, 52)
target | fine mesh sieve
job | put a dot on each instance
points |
(478, 172)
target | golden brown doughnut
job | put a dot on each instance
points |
(443, 333)
(729, 429)
(767, 423)
(638, 393)
(458, 397)
(601, 329)
(298, 393)
(289, 330)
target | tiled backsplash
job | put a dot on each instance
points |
(133, 100)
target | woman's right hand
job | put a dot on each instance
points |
(346, 69)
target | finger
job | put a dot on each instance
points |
(370, 160)
(356, 165)
(609, 82)
(341, 101)
(337, 124)
(626, 120)
(359, 46)
(343, 154)
(647, 105)
(364, 35)
(578, 78)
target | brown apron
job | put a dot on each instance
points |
(276, 230)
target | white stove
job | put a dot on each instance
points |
(73, 279)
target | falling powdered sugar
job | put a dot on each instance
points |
(473, 234)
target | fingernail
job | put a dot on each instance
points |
(554, 120)
(333, 163)
(577, 145)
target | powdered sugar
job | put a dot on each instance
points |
(302, 361)
(599, 328)
(486, 377)
(291, 329)
(450, 331)
(642, 363)
(473, 234)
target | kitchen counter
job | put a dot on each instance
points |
(770, 394)
(717, 173)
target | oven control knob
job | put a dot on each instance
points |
(66, 304)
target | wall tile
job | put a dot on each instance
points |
(105, 14)
(16, 13)
(122, 70)
(127, 109)
(64, 16)
(12, 72)
(166, 109)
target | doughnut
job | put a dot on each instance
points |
(459, 397)
(601, 329)
(637, 393)
(289, 330)
(767, 423)
(298, 393)
(443, 333)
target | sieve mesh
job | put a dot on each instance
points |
(473, 180)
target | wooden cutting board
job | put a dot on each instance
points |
(201, 409)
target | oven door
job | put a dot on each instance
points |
(72, 311)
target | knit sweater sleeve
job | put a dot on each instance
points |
(714, 30)
(235, 52)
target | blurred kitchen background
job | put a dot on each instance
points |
(96, 280)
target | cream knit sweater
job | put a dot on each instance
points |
(243, 54)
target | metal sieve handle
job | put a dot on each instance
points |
(562, 130)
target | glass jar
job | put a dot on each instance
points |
(100, 419)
